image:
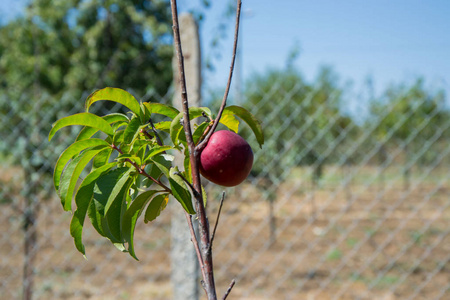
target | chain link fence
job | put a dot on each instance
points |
(334, 208)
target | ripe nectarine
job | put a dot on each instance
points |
(227, 159)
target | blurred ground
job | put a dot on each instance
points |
(330, 243)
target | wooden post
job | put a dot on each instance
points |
(185, 275)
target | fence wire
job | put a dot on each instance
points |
(334, 209)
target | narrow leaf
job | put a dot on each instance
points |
(251, 121)
(117, 189)
(88, 132)
(162, 109)
(102, 158)
(180, 191)
(131, 216)
(132, 130)
(83, 119)
(156, 206)
(176, 126)
(103, 188)
(83, 198)
(156, 150)
(115, 95)
(198, 133)
(71, 151)
(228, 119)
(72, 173)
(116, 208)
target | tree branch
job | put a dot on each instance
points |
(208, 274)
(194, 154)
(229, 289)
(203, 144)
(217, 221)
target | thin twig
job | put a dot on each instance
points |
(158, 139)
(203, 144)
(195, 242)
(142, 171)
(187, 182)
(229, 289)
(217, 221)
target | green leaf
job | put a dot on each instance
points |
(107, 223)
(115, 95)
(251, 121)
(115, 211)
(162, 166)
(198, 133)
(155, 207)
(70, 152)
(131, 157)
(117, 189)
(72, 173)
(204, 196)
(164, 126)
(102, 158)
(180, 191)
(118, 137)
(83, 199)
(228, 119)
(156, 150)
(187, 166)
(131, 216)
(162, 109)
(88, 132)
(132, 130)
(176, 126)
(83, 119)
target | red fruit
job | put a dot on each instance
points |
(227, 159)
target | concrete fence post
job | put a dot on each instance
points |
(185, 274)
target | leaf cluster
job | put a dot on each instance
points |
(129, 163)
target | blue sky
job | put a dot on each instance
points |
(392, 41)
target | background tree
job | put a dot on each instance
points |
(408, 116)
(307, 115)
(52, 55)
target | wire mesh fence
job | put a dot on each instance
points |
(334, 208)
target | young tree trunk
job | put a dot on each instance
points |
(185, 267)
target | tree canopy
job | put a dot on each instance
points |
(80, 46)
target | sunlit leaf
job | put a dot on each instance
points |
(132, 130)
(162, 109)
(228, 119)
(180, 191)
(251, 121)
(83, 198)
(176, 126)
(115, 95)
(72, 173)
(88, 132)
(101, 158)
(83, 119)
(155, 207)
(71, 151)
(156, 150)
